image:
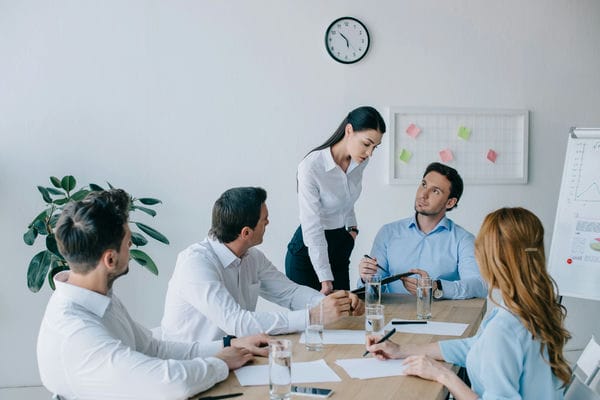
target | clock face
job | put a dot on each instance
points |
(347, 40)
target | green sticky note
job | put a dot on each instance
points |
(464, 133)
(405, 155)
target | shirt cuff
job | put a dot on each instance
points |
(452, 350)
(296, 320)
(212, 348)
(221, 368)
(324, 274)
(449, 289)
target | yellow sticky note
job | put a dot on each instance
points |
(464, 133)
(405, 155)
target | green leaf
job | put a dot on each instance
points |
(96, 188)
(38, 269)
(68, 183)
(40, 226)
(55, 181)
(61, 201)
(138, 239)
(53, 220)
(80, 194)
(55, 267)
(29, 236)
(51, 245)
(144, 260)
(55, 191)
(45, 194)
(149, 201)
(153, 233)
(147, 210)
(40, 217)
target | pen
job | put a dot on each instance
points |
(222, 396)
(383, 339)
(408, 322)
(378, 266)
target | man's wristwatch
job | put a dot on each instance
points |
(352, 229)
(438, 292)
(227, 340)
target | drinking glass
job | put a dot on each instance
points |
(280, 369)
(424, 288)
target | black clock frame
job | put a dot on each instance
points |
(327, 44)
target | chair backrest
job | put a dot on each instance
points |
(585, 383)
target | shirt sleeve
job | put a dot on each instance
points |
(499, 376)
(313, 233)
(379, 252)
(100, 366)
(277, 288)
(204, 289)
(470, 284)
(455, 351)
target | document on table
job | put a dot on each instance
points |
(430, 328)
(302, 372)
(341, 336)
(367, 368)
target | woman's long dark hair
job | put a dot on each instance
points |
(361, 118)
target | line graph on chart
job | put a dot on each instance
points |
(585, 173)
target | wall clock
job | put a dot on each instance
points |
(347, 40)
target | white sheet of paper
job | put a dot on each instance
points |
(430, 328)
(302, 372)
(588, 360)
(341, 336)
(367, 368)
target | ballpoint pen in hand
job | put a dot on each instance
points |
(383, 339)
(378, 266)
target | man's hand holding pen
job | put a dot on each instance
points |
(368, 267)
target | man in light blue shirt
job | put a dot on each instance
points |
(429, 243)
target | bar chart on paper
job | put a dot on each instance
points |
(575, 253)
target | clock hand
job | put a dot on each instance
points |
(346, 39)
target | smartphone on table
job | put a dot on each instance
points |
(311, 391)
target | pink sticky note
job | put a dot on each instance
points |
(446, 155)
(492, 155)
(413, 131)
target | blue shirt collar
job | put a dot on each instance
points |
(444, 223)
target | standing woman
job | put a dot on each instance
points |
(329, 183)
(518, 351)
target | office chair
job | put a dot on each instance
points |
(585, 382)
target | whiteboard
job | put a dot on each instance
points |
(574, 260)
(418, 137)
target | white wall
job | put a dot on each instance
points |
(183, 99)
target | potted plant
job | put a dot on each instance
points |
(49, 262)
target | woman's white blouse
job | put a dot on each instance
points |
(326, 197)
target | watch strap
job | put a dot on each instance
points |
(438, 293)
(227, 340)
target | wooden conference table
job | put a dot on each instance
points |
(405, 387)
